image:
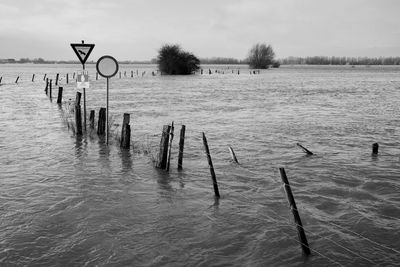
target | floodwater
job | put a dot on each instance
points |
(73, 201)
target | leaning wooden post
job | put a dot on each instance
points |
(125, 132)
(210, 165)
(375, 148)
(162, 156)
(101, 126)
(57, 75)
(59, 97)
(233, 155)
(16, 81)
(171, 137)
(44, 77)
(308, 152)
(91, 119)
(33, 77)
(181, 145)
(78, 114)
(47, 85)
(300, 230)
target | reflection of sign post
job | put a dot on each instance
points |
(107, 66)
(83, 51)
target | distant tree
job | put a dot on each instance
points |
(261, 56)
(172, 60)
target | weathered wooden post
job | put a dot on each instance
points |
(51, 89)
(125, 132)
(233, 155)
(33, 77)
(73, 75)
(16, 81)
(131, 73)
(44, 77)
(1, 78)
(375, 148)
(162, 156)
(59, 97)
(181, 145)
(57, 76)
(171, 137)
(210, 165)
(300, 230)
(91, 119)
(78, 114)
(101, 126)
(67, 78)
(47, 85)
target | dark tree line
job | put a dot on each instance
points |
(323, 60)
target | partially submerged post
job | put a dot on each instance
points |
(51, 89)
(126, 132)
(233, 155)
(16, 81)
(33, 77)
(300, 230)
(181, 145)
(163, 155)
(57, 75)
(91, 119)
(101, 126)
(59, 97)
(375, 148)
(44, 77)
(66, 77)
(78, 115)
(210, 165)
(47, 85)
(308, 152)
(171, 137)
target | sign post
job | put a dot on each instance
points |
(83, 51)
(107, 66)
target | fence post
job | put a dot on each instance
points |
(44, 77)
(51, 89)
(171, 137)
(33, 77)
(101, 126)
(78, 115)
(47, 85)
(67, 78)
(375, 148)
(16, 81)
(56, 83)
(125, 132)
(300, 230)
(162, 156)
(59, 97)
(210, 165)
(181, 145)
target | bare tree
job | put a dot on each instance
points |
(261, 56)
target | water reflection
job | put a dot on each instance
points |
(126, 160)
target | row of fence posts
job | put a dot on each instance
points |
(164, 156)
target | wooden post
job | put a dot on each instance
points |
(210, 165)
(97, 76)
(56, 83)
(125, 132)
(47, 85)
(101, 126)
(1, 78)
(33, 77)
(181, 145)
(131, 73)
(120, 75)
(84, 108)
(300, 230)
(78, 114)
(16, 81)
(60, 92)
(233, 155)
(73, 75)
(44, 77)
(91, 119)
(50, 89)
(171, 137)
(67, 78)
(162, 156)
(308, 152)
(124, 73)
(375, 148)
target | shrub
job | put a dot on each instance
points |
(261, 56)
(172, 60)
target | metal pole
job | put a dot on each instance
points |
(107, 113)
(84, 100)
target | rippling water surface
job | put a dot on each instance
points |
(68, 201)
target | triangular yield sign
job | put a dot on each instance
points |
(82, 51)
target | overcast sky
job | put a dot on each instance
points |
(136, 29)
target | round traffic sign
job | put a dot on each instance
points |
(107, 66)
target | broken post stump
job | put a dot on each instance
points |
(210, 165)
(125, 132)
(101, 126)
(163, 155)
(78, 113)
(16, 81)
(59, 97)
(375, 148)
(300, 230)
(181, 145)
(91, 119)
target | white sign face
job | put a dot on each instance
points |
(107, 66)
(82, 81)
